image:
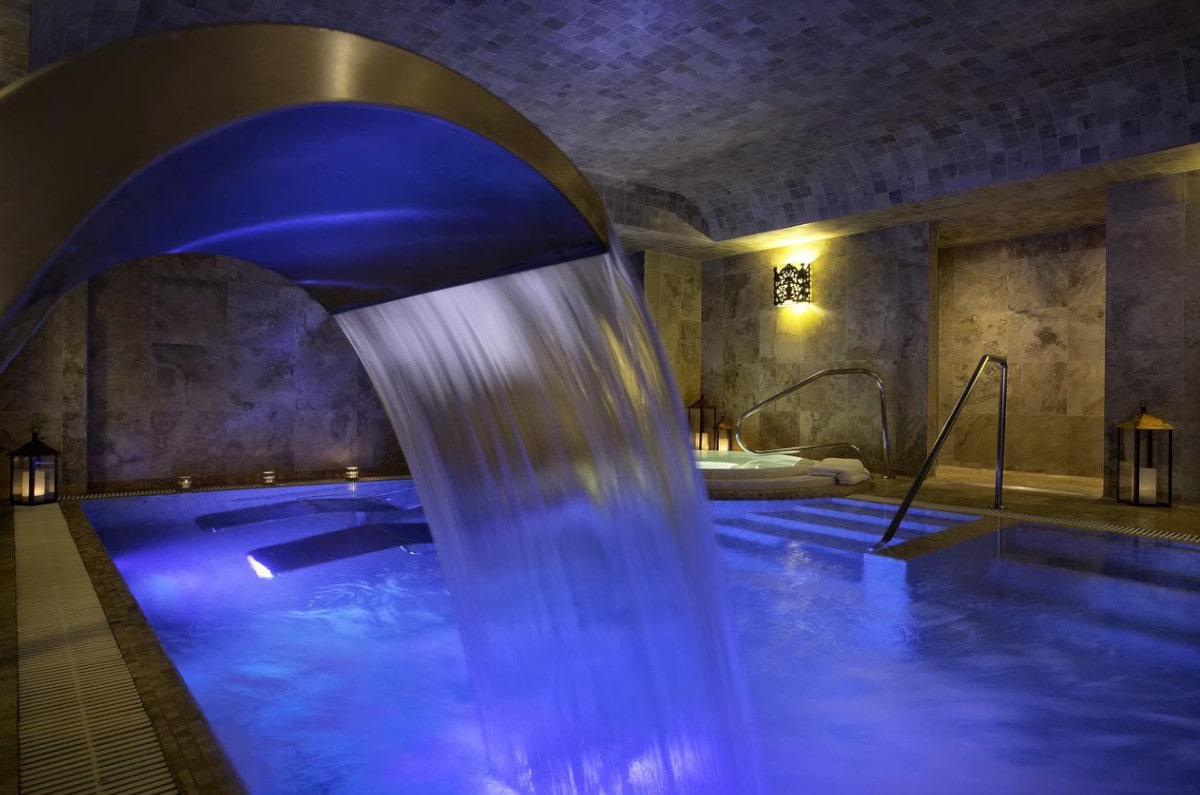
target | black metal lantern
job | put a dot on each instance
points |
(725, 440)
(702, 424)
(33, 469)
(1143, 478)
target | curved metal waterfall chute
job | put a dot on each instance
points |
(359, 170)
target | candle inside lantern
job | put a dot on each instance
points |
(1147, 485)
(700, 440)
(39, 484)
(723, 442)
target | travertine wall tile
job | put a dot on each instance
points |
(1039, 301)
(870, 309)
(674, 297)
(219, 369)
(1085, 445)
(1153, 284)
(45, 387)
(14, 40)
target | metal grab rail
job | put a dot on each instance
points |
(887, 450)
(984, 361)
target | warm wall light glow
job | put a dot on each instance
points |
(805, 253)
(793, 284)
(798, 320)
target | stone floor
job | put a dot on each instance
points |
(200, 767)
(1049, 496)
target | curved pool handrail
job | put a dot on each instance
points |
(887, 450)
(984, 361)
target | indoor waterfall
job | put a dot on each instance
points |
(550, 451)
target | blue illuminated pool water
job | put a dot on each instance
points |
(1000, 675)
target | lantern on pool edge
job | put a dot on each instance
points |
(33, 468)
(702, 424)
(725, 440)
(1143, 478)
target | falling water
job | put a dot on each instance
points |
(550, 452)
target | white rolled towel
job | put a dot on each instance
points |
(853, 479)
(837, 467)
(844, 464)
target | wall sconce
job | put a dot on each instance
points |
(352, 473)
(793, 284)
(33, 469)
(268, 477)
(184, 482)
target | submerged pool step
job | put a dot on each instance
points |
(878, 515)
(863, 530)
(747, 533)
(1169, 601)
(931, 516)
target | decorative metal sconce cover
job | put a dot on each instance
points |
(793, 284)
(33, 469)
(1140, 480)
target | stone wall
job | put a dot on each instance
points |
(197, 365)
(1153, 305)
(1039, 301)
(220, 369)
(872, 305)
(14, 40)
(45, 387)
(672, 286)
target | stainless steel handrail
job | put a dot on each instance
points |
(984, 361)
(887, 450)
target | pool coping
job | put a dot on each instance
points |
(196, 759)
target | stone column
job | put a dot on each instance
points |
(1153, 311)
(45, 387)
(673, 296)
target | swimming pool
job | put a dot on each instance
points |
(1042, 660)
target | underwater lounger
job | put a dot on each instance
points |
(276, 511)
(336, 545)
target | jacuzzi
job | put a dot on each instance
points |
(727, 470)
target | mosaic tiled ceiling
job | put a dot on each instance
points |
(730, 118)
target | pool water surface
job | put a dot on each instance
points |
(346, 674)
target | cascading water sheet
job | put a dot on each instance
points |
(550, 452)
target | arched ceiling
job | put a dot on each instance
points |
(719, 119)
